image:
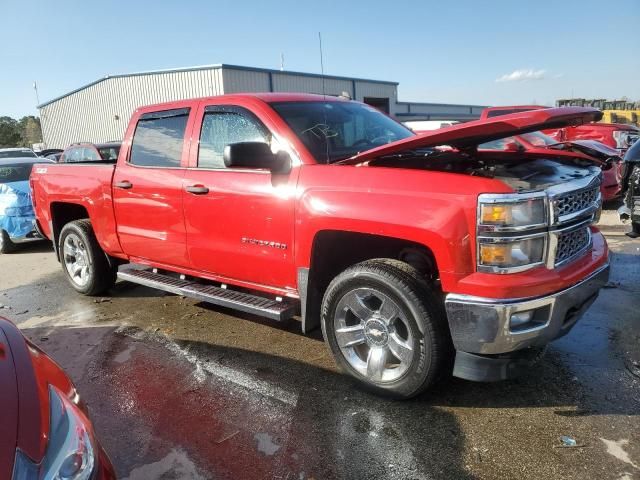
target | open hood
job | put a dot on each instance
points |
(472, 134)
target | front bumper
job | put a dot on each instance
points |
(483, 325)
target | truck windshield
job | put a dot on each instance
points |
(15, 173)
(335, 130)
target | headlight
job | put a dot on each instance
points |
(503, 255)
(504, 213)
(511, 231)
(70, 452)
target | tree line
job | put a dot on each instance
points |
(20, 133)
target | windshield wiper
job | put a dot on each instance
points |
(415, 153)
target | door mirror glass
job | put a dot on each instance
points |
(256, 155)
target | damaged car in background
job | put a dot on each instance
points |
(17, 218)
(537, 142)
(630, 210)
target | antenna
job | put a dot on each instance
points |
(35, 87)
(324, 111)
(321, 62)
(281, 62)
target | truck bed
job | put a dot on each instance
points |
(76, 186)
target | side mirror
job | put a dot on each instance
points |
(256, 155)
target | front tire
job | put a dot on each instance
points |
(386, 327)
(6, 245)
(83, 261)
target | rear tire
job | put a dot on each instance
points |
(83, 261)
(387, 328)
(6, 245)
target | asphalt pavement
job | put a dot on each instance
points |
(179, 389)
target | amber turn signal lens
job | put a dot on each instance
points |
(495, 214)
(495, 254)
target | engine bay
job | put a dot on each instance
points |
(523, 173)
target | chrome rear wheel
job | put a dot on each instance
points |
(76, 259)
(84, 263)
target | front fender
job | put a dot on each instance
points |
(434, 209)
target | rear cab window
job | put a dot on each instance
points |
(158, 140)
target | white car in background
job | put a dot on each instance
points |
(16, 153)
(426, 125)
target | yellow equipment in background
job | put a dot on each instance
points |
(615, 111)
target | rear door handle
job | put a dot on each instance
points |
(197, 189)
(125, 184)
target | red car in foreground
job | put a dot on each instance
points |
(46, 432)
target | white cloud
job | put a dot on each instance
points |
(522, 75)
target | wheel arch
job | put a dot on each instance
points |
(61, 214)
(346, 248)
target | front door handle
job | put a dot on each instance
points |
(125, 184)
(197, 189)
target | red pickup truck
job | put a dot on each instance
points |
(417, 255)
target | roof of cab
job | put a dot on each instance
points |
(267, 97)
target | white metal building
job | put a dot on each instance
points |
(100, 111)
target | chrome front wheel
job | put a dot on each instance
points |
(373, 334)
(386, 327)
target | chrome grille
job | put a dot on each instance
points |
(575, 202)
(572, 243)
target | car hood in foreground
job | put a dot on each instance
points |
(20, 403)
(8, 408)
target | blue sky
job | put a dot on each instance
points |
(457, 51)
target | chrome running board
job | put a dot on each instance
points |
(244, 302)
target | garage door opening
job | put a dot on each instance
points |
(380, 103)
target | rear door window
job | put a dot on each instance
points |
(159, 139)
